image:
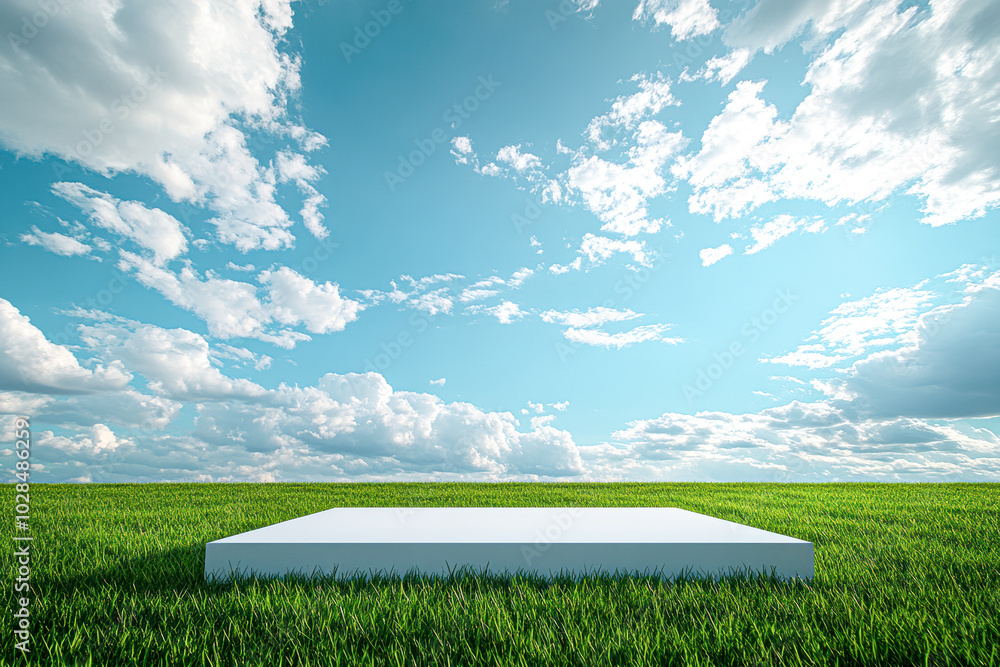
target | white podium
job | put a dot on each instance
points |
(663, 541)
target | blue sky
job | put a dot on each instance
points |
(650, 240)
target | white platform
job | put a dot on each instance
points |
(546, 540)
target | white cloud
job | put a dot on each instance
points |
(461, 148)
(98, 439)
(128, 408)
(439, 382)
(506, 312)
(149, 228)
(30, 362)
(618, 193)
(929, 351)
(175, 362)
(951, 368)
(765, 235)
(886, 318)
(360, 423)
(518, 161)
(721, 68)
(771, 23)
(599, 248)
(592, 317)
(710, 256)
(241, 356)
(621, 339)
(55, 242)
(471, 294)
(295, 298)
(726, 156)
(585, 328)
(22, 403)
(229, 308)
(518, 277)
(686, 18)
(232, 308)
(293, 167)
(482, 289)
(559, 269)
(170, 110)
(244, 268)
(419, 294)
(628, 110)
(901, 100)
(797, 441)
(434, 302)
(617, 186)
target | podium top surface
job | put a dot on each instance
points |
(518, 525)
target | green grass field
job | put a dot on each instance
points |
(905, 574)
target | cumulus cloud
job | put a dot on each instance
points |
(797, 441)
(127, 408)
(96, 440)
(598, 249)
(615, 174)
(175, 362)
(685, 18)
(295, 298)
(29, 362)
(901, 100)
(356, 416)
(22, 403)
(161, 90)
(518, 161)
(229, 307)
(719, 171)
(929, 351)
(559, 269)
(55, 242)
(618, 193)
(710, 256)
(628, 110)
(951, 369)
(232, 308)
(149, 228)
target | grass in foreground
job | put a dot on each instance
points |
(905, 574)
